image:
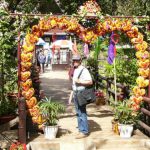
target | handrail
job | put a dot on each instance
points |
(109, 81)
(145, 122)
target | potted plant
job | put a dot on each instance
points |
(100, 97)
(125, 117)
(50, 111)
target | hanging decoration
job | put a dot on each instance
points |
(87, 14)
(86, 50)
(87, 35)
(114, 38)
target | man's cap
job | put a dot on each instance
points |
(76, 57)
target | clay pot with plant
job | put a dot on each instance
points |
(50, 111)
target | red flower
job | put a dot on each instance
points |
(17, 146)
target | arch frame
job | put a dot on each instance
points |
(87, 35)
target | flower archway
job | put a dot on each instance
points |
(87, 35)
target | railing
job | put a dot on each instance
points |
(145, 120)
(124, 90)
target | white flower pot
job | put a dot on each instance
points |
(50, 132)
(125, 130)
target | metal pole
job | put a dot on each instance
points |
(115, 84)
(21, 102)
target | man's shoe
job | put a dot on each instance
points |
(81, 135)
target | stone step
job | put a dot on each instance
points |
(120, 143)
(6, 137)
(63, 144)
(89, 143)
(147, 144)
(137, 148)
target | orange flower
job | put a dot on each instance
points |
(143, 63)
(28, 48)
(25, 66)
(34, 112)
(143, 72)
(25, 75)
(31, 102)
(38, 119)
(142, 82)
(136, 100)
(26, 57)
(28, 94)
(106, 25)
(126, 25)
(26, 85)
(118, 24)
(135, 107)
(133, 33)
(142, 55)
(31, 38)
(139, 39)
(36, 31)
(141, 46)
(138, 91)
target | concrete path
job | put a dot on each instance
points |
(57, 86)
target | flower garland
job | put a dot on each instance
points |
(88, 36)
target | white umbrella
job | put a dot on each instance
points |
(41, 42)
(46, 45)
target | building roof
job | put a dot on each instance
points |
(56, 31)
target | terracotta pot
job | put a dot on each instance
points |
(100, 101)
(115, 126)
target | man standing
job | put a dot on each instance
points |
(42, 59)
(79, 83)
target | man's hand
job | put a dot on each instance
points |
(77, 81)
(84, 83)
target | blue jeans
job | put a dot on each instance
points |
(81, 116)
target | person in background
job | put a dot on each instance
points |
(70, 74)
(48, 58)
(79, 84)
(42, 59)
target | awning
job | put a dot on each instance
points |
(62, 44)
(40, 42)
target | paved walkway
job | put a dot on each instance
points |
(57, 86)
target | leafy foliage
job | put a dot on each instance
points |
(126, 67)
(8, 51)
(50, 110)
(7, 107)
(115, 7)
(92, 65)
(123, 113)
